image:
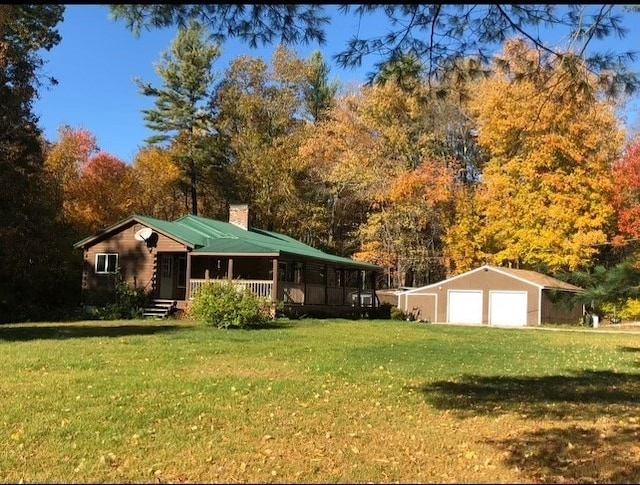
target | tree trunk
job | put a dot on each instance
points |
(194, 192)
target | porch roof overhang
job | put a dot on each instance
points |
(239, 248)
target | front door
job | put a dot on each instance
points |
(166, 276)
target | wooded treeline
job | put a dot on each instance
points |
(520, 161)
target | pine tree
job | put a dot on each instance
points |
(182, 115)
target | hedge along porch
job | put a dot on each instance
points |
(179, 257)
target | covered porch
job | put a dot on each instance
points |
(296, 282)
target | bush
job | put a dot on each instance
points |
(383, 311)
(398, 314)
(223, 305)
(629, 311)
(129, 303)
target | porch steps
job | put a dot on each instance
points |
(159, 308)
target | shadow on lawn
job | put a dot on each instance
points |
(629, 349)
(69, 331)
(575, 455)
(562, 451)
(586, 395)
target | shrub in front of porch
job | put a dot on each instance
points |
(223, 305)
(129, 302)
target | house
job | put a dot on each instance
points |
(171, 260)
(491, 295)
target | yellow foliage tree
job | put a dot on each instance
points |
(544, 196)
(157, 179)
(258, 110)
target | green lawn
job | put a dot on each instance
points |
(317, 401)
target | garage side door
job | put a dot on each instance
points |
(508, 308)
(465, 307)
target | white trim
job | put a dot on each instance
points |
(106, 263)
(497, 270)
(540, 306)
(488, 268)
(439, 283)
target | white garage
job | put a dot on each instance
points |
(508, 308)
(465, 307)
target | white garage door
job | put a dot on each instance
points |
(465, 307)
(508, 308)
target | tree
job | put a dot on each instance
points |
(36, 261)
(544, 200)
(608, 288)
(406, 235)
(373, 143)
(65, 161)
(626, 194)
(259, 111)
(345, 158)
(158, 189)
(180, 115)
(405, 71)
(319, 93)
(82, 176)
(105, 193)
(438, 33)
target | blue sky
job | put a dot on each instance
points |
(97, 60)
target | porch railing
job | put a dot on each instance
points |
(261, 288)
(295, 293)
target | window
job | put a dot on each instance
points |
(167, 267)
(290, 272)
(106, 263)
(334, 277)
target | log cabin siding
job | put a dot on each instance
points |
(137, 262)
(167, 269)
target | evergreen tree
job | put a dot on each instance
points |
(36, 259)
(319, 93)
(181, 115)
(439, 34)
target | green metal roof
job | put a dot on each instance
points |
(208, 236)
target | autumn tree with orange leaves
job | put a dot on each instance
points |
(65, 161)
(406, 235)
(105, 193)
(96, 188)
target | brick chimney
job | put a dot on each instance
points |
(239, 215)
